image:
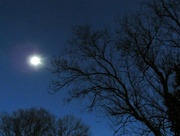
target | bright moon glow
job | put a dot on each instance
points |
(35, 60)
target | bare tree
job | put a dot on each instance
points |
(39, 122)
(169, 14)
(132, 76)
(5, 127)
(32, 122)
(71, 126)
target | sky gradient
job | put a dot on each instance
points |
(42, 27)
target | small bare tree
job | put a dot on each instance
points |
(39, 122)
(71, 126)
(32, 122)
(132, 77)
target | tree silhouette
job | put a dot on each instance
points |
(131, 76)
(32, 122)
(39, 122)
(71, 126)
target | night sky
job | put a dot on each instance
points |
(42, 27)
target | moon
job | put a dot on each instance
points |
(35, 60)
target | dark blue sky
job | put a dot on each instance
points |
(42, 27)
